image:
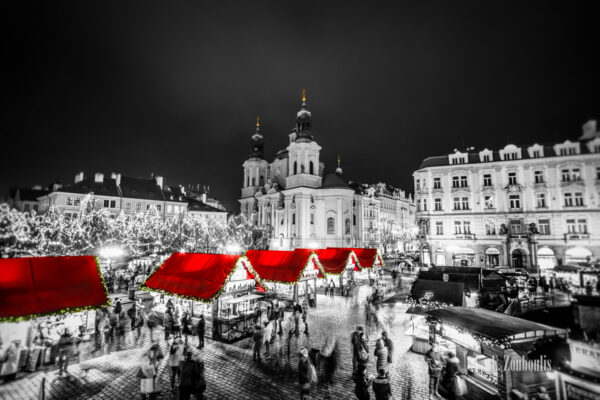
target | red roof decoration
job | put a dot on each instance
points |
(335, 261)
(283, 266)
(31, 287)
(196, 276)
(367, 258)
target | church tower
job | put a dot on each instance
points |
(256, 170)
(304, 167)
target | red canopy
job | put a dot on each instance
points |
(283, 266)
(367, 258)
(196, 276)
(31, 287)
(335, 261)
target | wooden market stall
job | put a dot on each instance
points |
(492, 348)
(291, 275)
(369, 262)
(222, 287)
(40, 299)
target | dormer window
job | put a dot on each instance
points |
(594, 145)
(510, 152)
(486, 155)
(567, 148)
(535, 151)
(458, 158)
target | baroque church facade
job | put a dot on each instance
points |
(302, 206)
(292, 197)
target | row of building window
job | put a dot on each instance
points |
(567, 175)
(574, 226)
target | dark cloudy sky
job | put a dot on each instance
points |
(174, 88)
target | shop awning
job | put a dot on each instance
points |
(367, 258)
(336, 261)
(284, 266)
(492, 324)
(449, 293)
(31, 287)
(197, 276)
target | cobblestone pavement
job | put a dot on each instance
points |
(230, 371)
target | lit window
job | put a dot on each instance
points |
(77, 201)
(69, 201)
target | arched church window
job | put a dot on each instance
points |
(311, 168)
(262, 180)
(330, 226)
(295, 167)
(347, 226)
(312, 199)
(294, 219)
(253, 181)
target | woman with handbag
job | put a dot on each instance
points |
(381, 353)
(363, 350)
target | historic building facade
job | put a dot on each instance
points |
(529, 206)
(300, 204)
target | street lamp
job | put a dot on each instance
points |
(233, 248)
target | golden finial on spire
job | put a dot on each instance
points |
(257, 121)
(304, 95)
(338, 160)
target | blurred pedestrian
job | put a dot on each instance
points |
(434, 363)
(355, 340)
(363, 350)
(267, 335)
(258, 340)
(168, 322)
(148, 371)
(176, 352)
(450, 376)
(189, 377)
(329, 355)
(200, 331)
(381, 386)
(186, 326)
(306, 373)
(382, 356)
(541, 394)
(65, 350)
(390, 346)
(305, 314)
(331, 288)
(176, 321)
(362, 382)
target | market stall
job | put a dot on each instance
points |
(291, 275)
(426, 295)
(341, 263)
(578, 377)
(222, 287)
(486, 344)
(43, 298)
(369, 262)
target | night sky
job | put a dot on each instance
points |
(174, 88)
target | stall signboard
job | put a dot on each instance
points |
(576, 392)
(584, 356)
(310, 272)
(461, 338)
(239, 281)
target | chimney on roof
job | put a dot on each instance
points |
(159, 181)
(182, 188)
(589, 130)
(203, 198)
(79, 177)
(37, 187)
(117, 177)
(55, 186)
(99, 177)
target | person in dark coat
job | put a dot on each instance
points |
(389, 344)
(355, 339)
(186, 326)
(329, 354)
(304, 373)
(381, 386)
(258, 340)
(191, 378)
(200, 331)
(362, 383)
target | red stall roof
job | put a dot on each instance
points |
(366, 257)
(36, 286)
(283, 266)
(335, 261)
(196, 276)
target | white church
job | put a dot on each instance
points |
(291, 196)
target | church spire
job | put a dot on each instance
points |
(304, 122)
(257, 142)
(338, 170)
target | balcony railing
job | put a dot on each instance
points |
(464, 236)
(577, 236)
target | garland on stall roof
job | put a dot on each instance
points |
(299, 274)
(430, 305)
(503, 343)
(348, 260)
(66, 310)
